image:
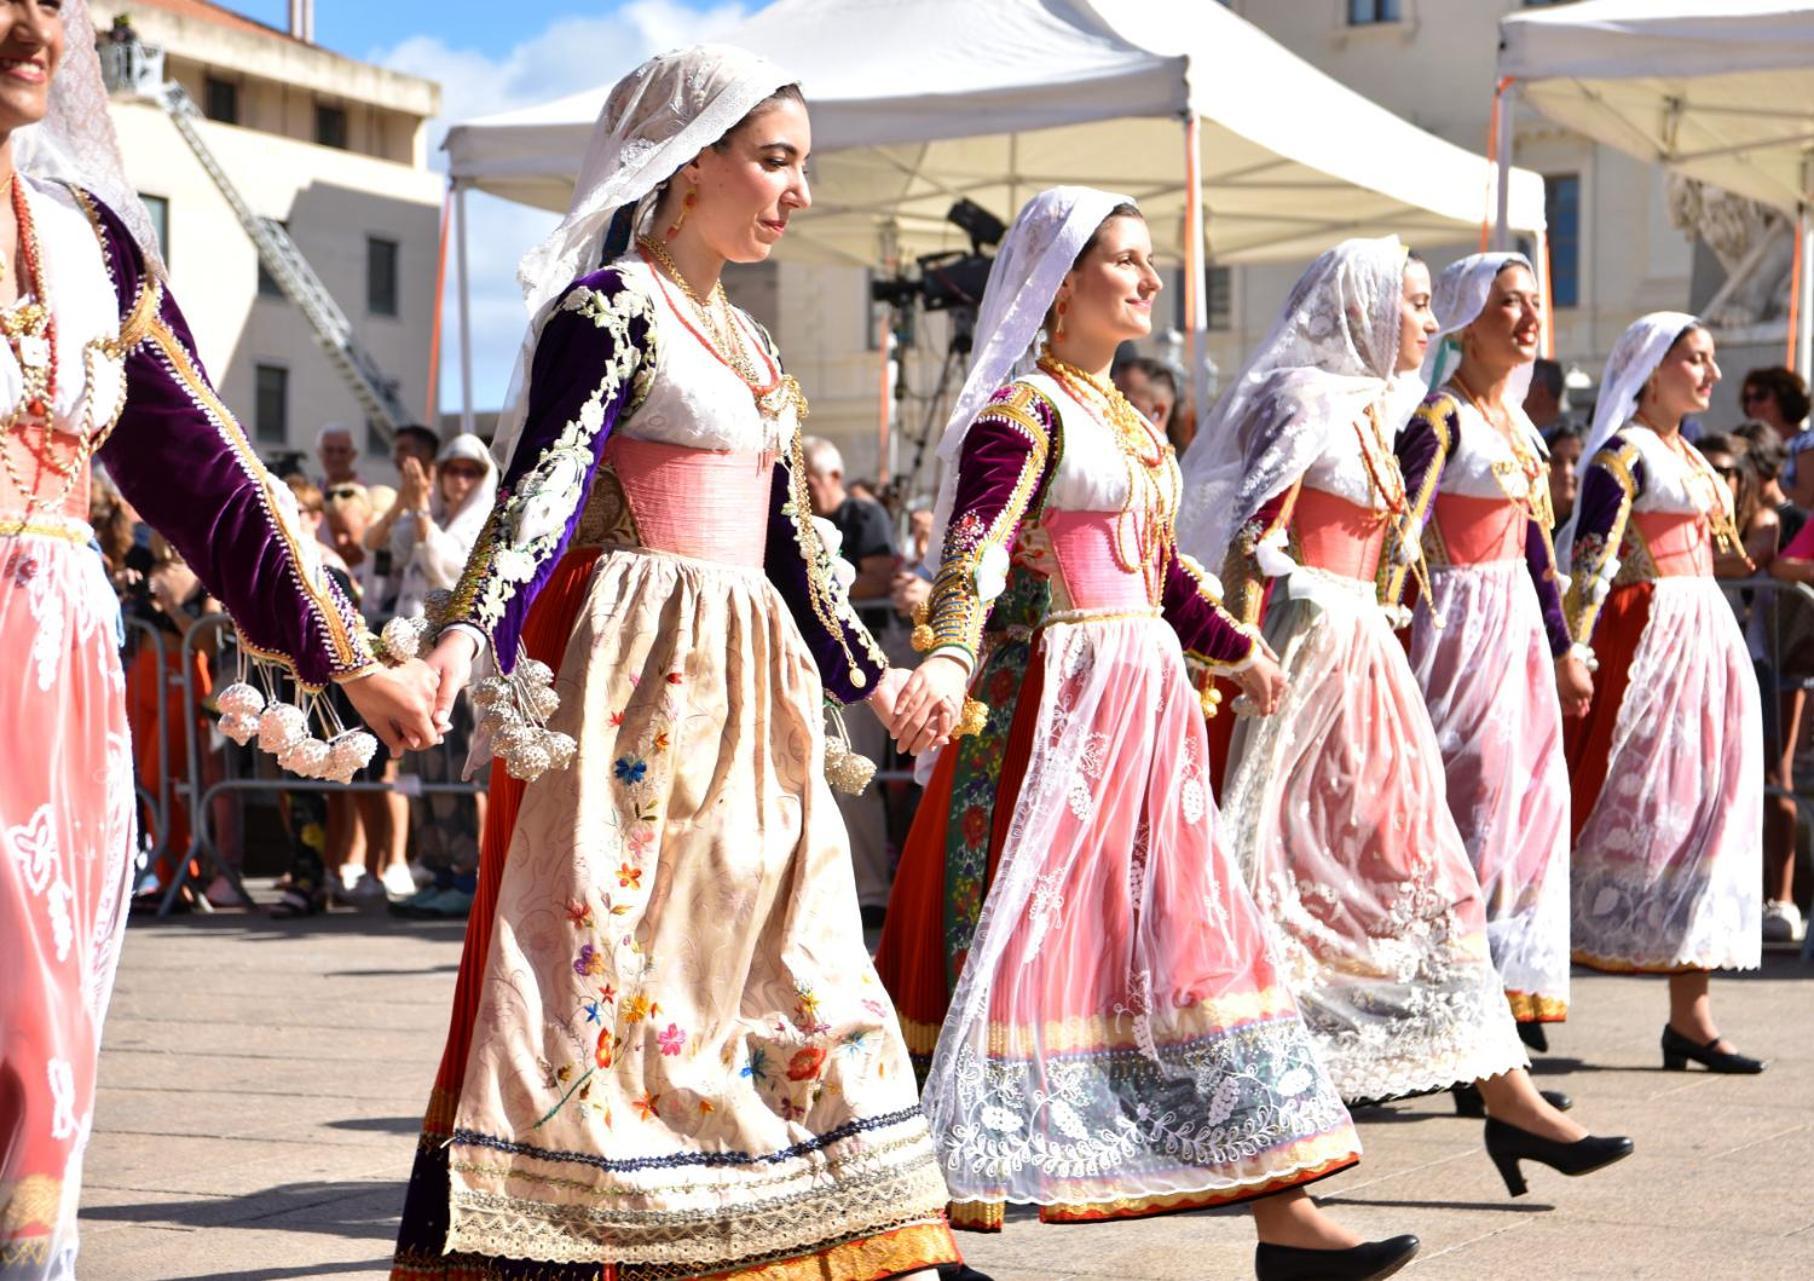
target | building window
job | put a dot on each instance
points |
(159, 209)
(1367, 13)
(1219, 297)
(330, 126)
(220, 100)
(267, 283)
(1562, 210)
(380, 276)
(271, 424)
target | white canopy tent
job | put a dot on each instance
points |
(1719, 90)
(1231, 143)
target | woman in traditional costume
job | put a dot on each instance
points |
(1118, 1044)
(670, 1055)
(1337, 802)
(1665, 750)
(98, 363)
(1485, 640)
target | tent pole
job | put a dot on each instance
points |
(1804, 338)
(466, 419)
(431, 408)
(1502, 233)
(1545, 292)
(1196, 305)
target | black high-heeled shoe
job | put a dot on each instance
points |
(1368, 1261)
(1470, 1103)
(1678, 1049)
(1534, 1037)
(960, 1272)
(1508, 1145)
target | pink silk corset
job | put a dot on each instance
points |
(1677, 542)
(25, 451)
(1337, 536)
(702, 503)
(1477, 530)
(1084, 549)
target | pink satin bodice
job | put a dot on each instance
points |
(1478, 530)
(1677, 542)
(702, 503)
(1083, 546)
(1337, 536)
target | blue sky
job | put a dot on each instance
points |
(489, 58)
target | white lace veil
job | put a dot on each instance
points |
(1333, 352)
(75, 142)
(1458, 299)
(1037, 254)
(655, 120)
(1634, 358)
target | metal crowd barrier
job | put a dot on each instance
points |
(203, 853)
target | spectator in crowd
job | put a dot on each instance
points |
(431, 535)
(1726, 456)
(1565, 444)
(347, 513)
(1777, 397)
(1765, 451)
(338, 454)
(1545, 403)
(867, 542)
(919, 532)
(1794, 635)
(865, 492)
(413, 452)
(164, 592)
(1156, 389)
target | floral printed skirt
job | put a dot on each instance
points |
(1489, 683)
(679, 1059)
(1339, 816)
(66, 839)
(1118, 1043)
(1668, 773)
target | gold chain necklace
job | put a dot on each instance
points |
(1719, 521)
(1154, 484)
(1526, 462)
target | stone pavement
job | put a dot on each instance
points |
(262, 1082)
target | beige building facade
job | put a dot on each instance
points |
(333, 148)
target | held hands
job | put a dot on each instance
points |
(398, 705)
(451, 660)
(1574, 685)
(1262, 682)
(927, 707)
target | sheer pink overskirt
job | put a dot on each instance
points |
(1338, 810)
(1118, 1030)
(1668, 868)
(1489, 684)
(66, 837)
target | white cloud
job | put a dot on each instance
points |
(569, 55)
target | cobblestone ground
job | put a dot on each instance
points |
(262, 1082)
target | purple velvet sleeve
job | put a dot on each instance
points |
(594, 352)
(1424, 443)
(1614, 479)
(1541, 558)
(797, 565)
(1204, 628)
(181, 459)
(1002, 469)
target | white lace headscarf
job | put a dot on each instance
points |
(1458, 299)
(655, 120)
(1036, 255)
(1333, 353)
(75, 142)
(1634, 358)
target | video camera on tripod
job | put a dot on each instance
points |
(952, 280)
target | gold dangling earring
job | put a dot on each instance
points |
(686, 207)
(1058, 329)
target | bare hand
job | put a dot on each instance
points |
(412, 488)
(451, 660)
(1574, 685)
(887, 693)
(397, 704)
(1262, 682)
(929, 703)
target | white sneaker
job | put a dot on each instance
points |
(398, 882)
(350, 875)
(1783, 923)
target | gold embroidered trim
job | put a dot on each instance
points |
(1581, 606)
(830, 605)
(33, 1202)
(955, 612)
(1090, 1032)
(1441, 414)
(870, 1258)
(1243, 581)
(1531, 1007)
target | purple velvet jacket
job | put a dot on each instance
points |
(592, 369)
(1424, 448)
(1009, 456)
(180, 458)
(1615, 478)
